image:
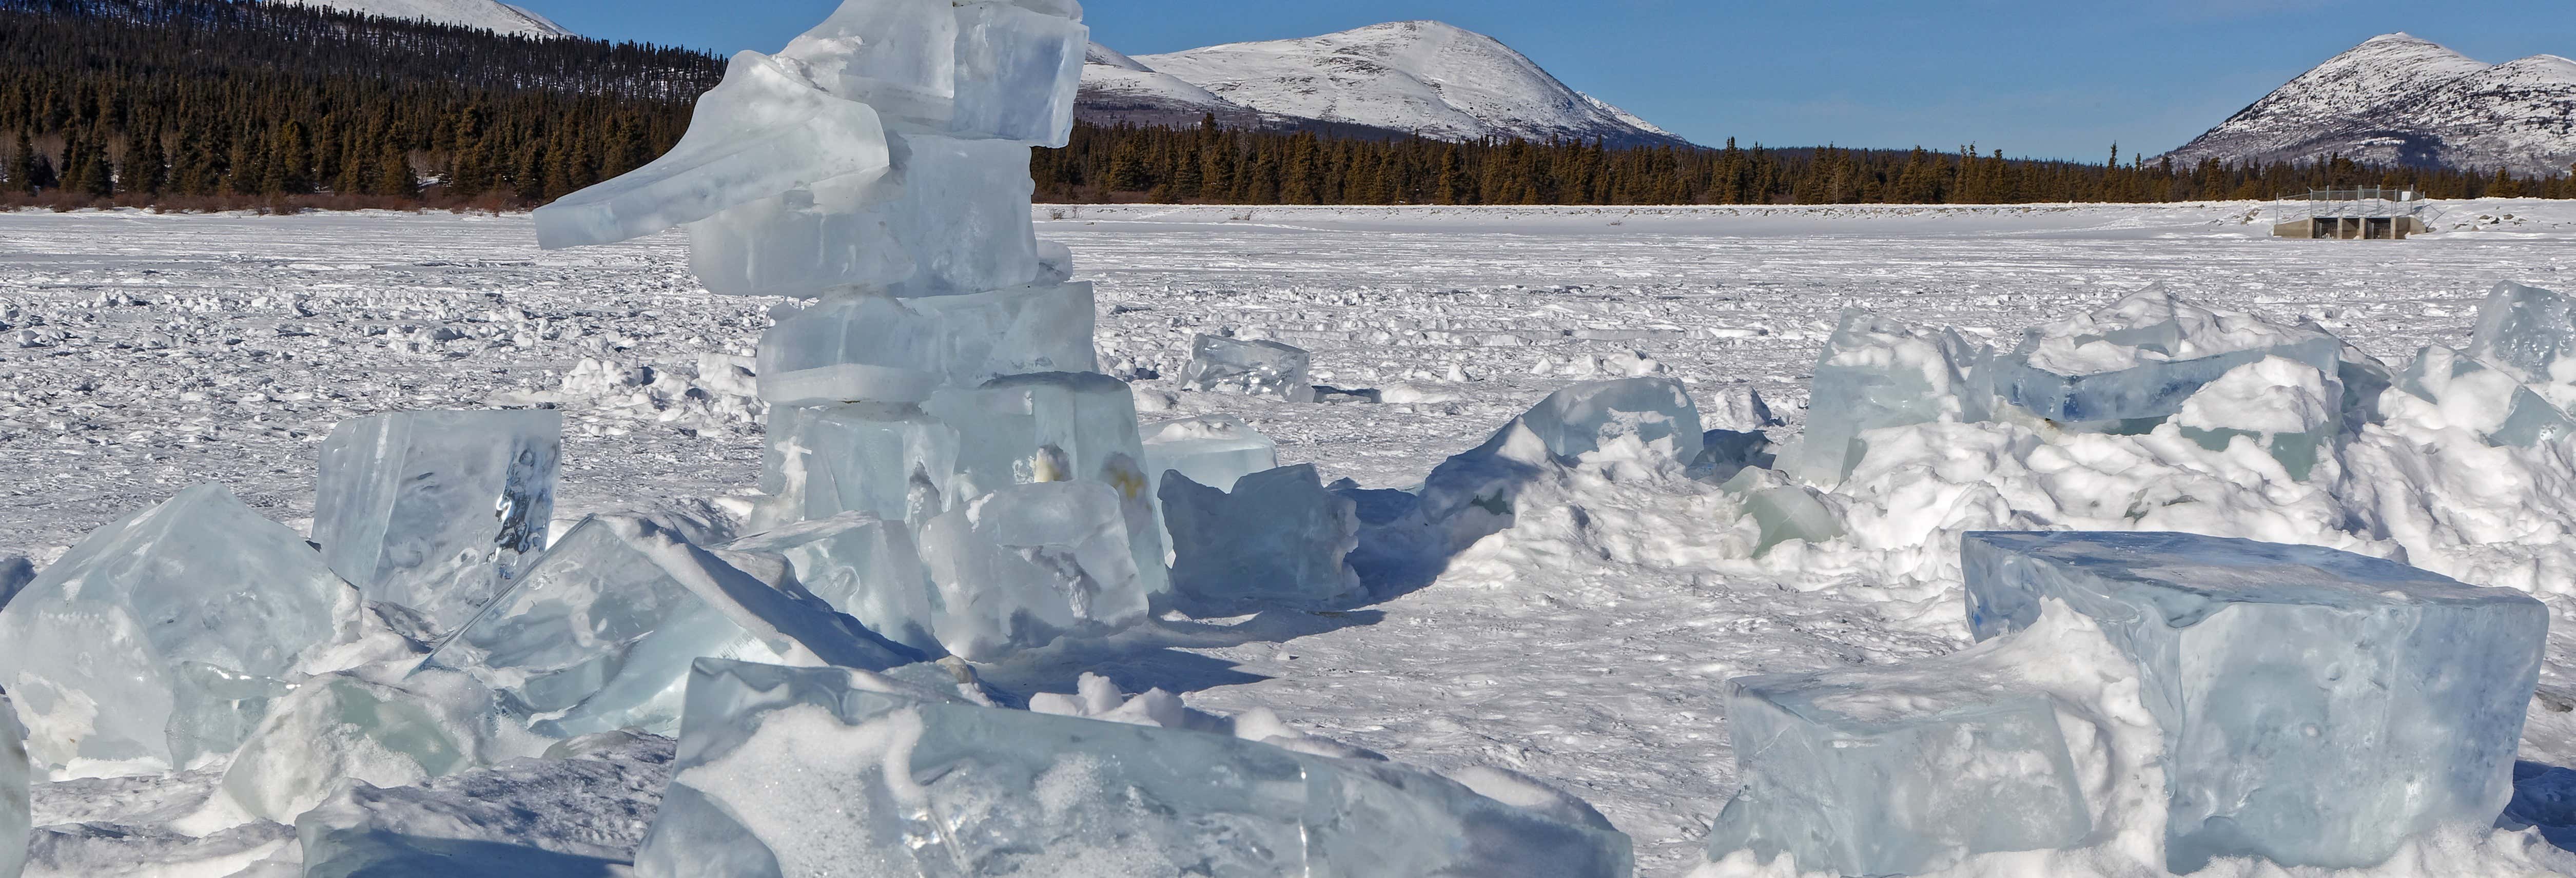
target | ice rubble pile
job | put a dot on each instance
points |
(2305, 706)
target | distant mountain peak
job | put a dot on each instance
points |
(491, 15)
(2400, 99)
(1422, 77)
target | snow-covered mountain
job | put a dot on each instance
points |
(491, 15)
(2398, 99)
(1409, 76)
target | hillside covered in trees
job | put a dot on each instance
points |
(232, 104)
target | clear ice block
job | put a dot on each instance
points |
(1278, 537)
(1876, 373)
(2288, 407)
(1212, 450)
(862, 565)
(2139, 358)
(872, 348)
(2528, 332)
(1897, 771)
(1256, 368)
(954, 213)
(92, 651)
(2319, 708)
(993, 70)
(793, 772)
(435, 511)
(891, 461)
(339, 727)
(575, 814)
(599, 633)
(2486, 401)
(15, 773)
(1056, 426)
(1023, 565)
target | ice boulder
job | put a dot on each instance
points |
(93, 651)
(888, 460)
(1252, 367)
(1631, 427)
(2318, 708)
(1212, 450)
(2287, 407)
(435, 511)
(875, 348)
(864, 566)
(787, 771)
(1024, 565)
(1877, 373)
(599, 633)
(2530, 333)
(2483, 400)
(2139, 358)
(1050, 427)
(1278, 537)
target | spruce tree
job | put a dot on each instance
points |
(29, 170)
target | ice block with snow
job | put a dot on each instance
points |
(1278, 537)
(436, 510)
(1640, 426)
(891, 461)
(341, 727)
(1026, 564)
(92, 651)
(809, 771)
(1896, 771)
(875, 348)
(2287, 407)
(1876, 373)
(574, 814)
(2140, 357)
(1253, 367)
(2483, 400)
(2528, 332)
(1056, 426)
(862, 565)
(2319, 708)
(599, 633)
(1212, 450)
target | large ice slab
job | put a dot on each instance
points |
(976, 69)
(1876, 373)
(807, 771)
(874, 348)
(2486, 401)
(895, 462)
(2140, 357)
(599, 633)
(1253, 367)
(1212, 450)
(1278, 537)
(1026, 564)
(92, 651)
(2319, 708)
(1056, 426)
(954, 216)
(862, 565)
(436, 510)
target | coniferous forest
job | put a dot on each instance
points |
(238, 104)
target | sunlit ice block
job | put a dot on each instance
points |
(1026, 564)
(2139, 358)
(1212, 450)
(599, 633)
(1056, 426)
(809, 771)
(862, 565)
(93, 651)
(2531, 333)
(1277, 537)
(1251, 367)
(2487, 401)
(875, 348)
(987, 70)
(2319, 708)
(1876, 373)
(895, 462)
(436, 510)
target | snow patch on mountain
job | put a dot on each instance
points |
(489, 15)
(2400, 99)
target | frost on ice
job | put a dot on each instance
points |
(2531, 333)
(96, 652)
(2488, 401)
(803, 771)
(435, 511)
(1639, 427)
(1254, 367)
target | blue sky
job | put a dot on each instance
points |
(2051, 79)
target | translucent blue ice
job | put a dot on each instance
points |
(862, 565)
(1254, 367)
(1279, 536)
(2527, 331)
(2139, 358)
(891, 461)
(875, 348)
(1876, 373)
(435, 511)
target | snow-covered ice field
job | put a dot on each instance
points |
(146, 353)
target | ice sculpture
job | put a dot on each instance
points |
(15, 773)
(883, 349)
(1252, 367)
(2139, 358)
(2318, 708)
(1212, 450)
(2486, 401)
(1279, 536)
(806, 771)
(93, 651)
(1897, 771)
(891, 461)
(1877, 373)
(1023, 565)
(2283, 405)
(2531, 333)
(862, 565)
(436, 510)
(599, 633)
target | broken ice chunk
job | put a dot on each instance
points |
(1279, 536)
(1782, 510)
(341, 726)
(436, 510)
(766, 130)
(1898, 771)
(2139, 358)
(2531, 333)
(891, 461)
(15, 572)
(899, 56)
(578, 812)
(861, 565)
(1018, 69)
(1023, 565)
(969, 69)
(1637, 426)
(2319, 708)
(1050, 427)
(873, 348)
(15, 773)
(824, 770)
(2486, 401)
(1876, 373)
(2283, 405)
(1212, 450)
(92, 651)
(804, 242)
(1256, 368)
(598, 634)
